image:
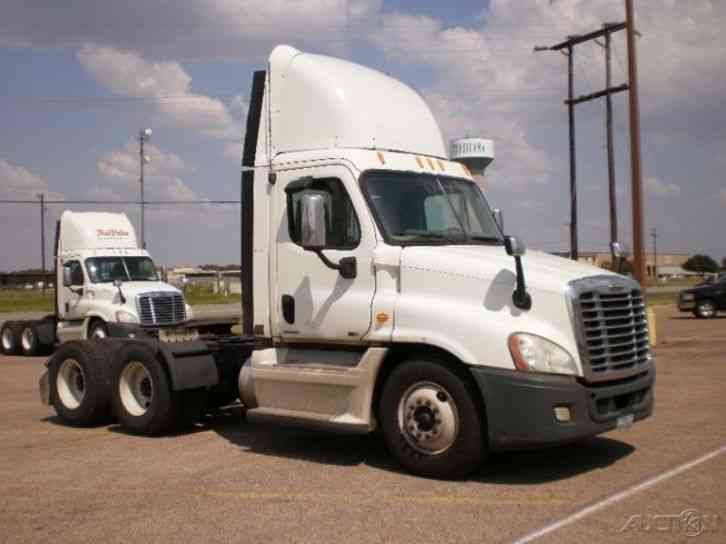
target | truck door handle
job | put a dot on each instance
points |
(288, 308)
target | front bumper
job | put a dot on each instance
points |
(520, 407)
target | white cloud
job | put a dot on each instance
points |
(19, 183)
(233, 151)
(661, 188)
(192, 29)
(166, 84)
(162, 176)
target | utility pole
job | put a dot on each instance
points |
(567, 48)
(635, 165)
(41, 196)
(574, 250)
(654, 235)
(610, 145)
(144, 135)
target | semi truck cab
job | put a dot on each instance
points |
(104, 278)
(379, 291)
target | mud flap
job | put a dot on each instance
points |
(191, 364)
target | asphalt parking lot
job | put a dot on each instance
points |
(232, 481)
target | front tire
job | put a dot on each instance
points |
(431, 420)
(10, 337)
(705, 309)
(79, 383)
(143, 399)
(98, 330)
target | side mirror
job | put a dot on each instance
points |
(117, 284)
(498, 217)
(520, 297)
(67, 277)
(514, 246)
(312, 222)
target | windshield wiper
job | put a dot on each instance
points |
(432, 235)
(488, 239)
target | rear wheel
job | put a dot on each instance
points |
(430, 419)
(142, 396)
(10, 337)
(30, 340)
(79, 383)
(705, 309)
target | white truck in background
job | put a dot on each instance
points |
(107, 285)
(378, 291)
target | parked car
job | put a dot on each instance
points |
(704, 300)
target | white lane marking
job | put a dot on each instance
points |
(572, 518)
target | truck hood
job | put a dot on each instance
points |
(492, 264)
(132, 289)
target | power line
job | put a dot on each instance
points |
(122, 202)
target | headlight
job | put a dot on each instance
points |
(687, 296)
(190, 313)
(126, 317)
(533, 353)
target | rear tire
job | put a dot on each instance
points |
(705, 309)
(30, 340)
(143, 399)
(79, 383)
(431, 421)
(10, 337)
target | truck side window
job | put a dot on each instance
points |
(342, 228)
(76, 272)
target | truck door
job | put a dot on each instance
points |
(315, 302)
(70, 302)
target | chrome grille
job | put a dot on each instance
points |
(612, 327)
(161, 308)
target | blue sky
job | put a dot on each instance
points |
(81, 78)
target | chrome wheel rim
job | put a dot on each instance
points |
(7, 339)
(428, 418)
(707, 309)
(98, 332)
(136, 388)
(27, 338)
(71, 384)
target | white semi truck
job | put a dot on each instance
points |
(379, 292)
(104, 282)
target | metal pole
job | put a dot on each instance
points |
(654, 234)
(635, 164)
(574, 253)
(141, 179)
(610, 147)
(42, 238)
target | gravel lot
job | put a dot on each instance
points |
(233, 481)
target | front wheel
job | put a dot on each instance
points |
(98, 330)
(705, 309)
(430, 419)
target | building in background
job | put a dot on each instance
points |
(670, 265)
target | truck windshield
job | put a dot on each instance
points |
(426, 209)
(109, 269)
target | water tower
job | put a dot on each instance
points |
(475, 153)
